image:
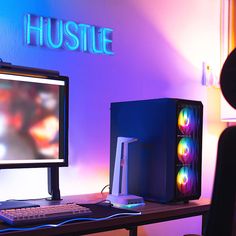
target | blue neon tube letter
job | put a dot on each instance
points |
(95, 40)
(107, 40)
(33, 28)
(57, 33)
(73, 37)
(84, 37)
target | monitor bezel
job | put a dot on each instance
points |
(52, 75)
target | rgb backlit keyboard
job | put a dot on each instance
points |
(43, 213)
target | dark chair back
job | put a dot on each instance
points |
(221, 221)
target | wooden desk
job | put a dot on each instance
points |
(151, 213)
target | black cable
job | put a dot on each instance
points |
(108, 185)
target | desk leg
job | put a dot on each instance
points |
(204, 222)
(133, 231)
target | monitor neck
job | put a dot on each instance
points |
(53, 183)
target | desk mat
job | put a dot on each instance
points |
(99, 211)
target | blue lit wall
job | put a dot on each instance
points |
(159, 47)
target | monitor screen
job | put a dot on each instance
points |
(33, 121)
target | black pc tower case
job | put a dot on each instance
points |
(164, 165)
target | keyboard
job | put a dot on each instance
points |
(42, 214)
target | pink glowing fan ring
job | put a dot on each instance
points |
(185, 180)
(186, 121)
(186, 150)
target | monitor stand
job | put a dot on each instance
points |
(53, 190)
(53, 183)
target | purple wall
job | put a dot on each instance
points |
(159, 49)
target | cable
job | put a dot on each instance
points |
(69, 221)
(105, 201)
(108, 185)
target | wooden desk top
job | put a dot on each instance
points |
(151, 213)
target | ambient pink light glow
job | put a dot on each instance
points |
(176, 20)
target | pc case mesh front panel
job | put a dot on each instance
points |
(188, 151)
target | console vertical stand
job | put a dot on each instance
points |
(53, 183)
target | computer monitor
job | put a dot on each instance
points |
(33, 119)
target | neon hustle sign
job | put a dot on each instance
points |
(53, 33)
